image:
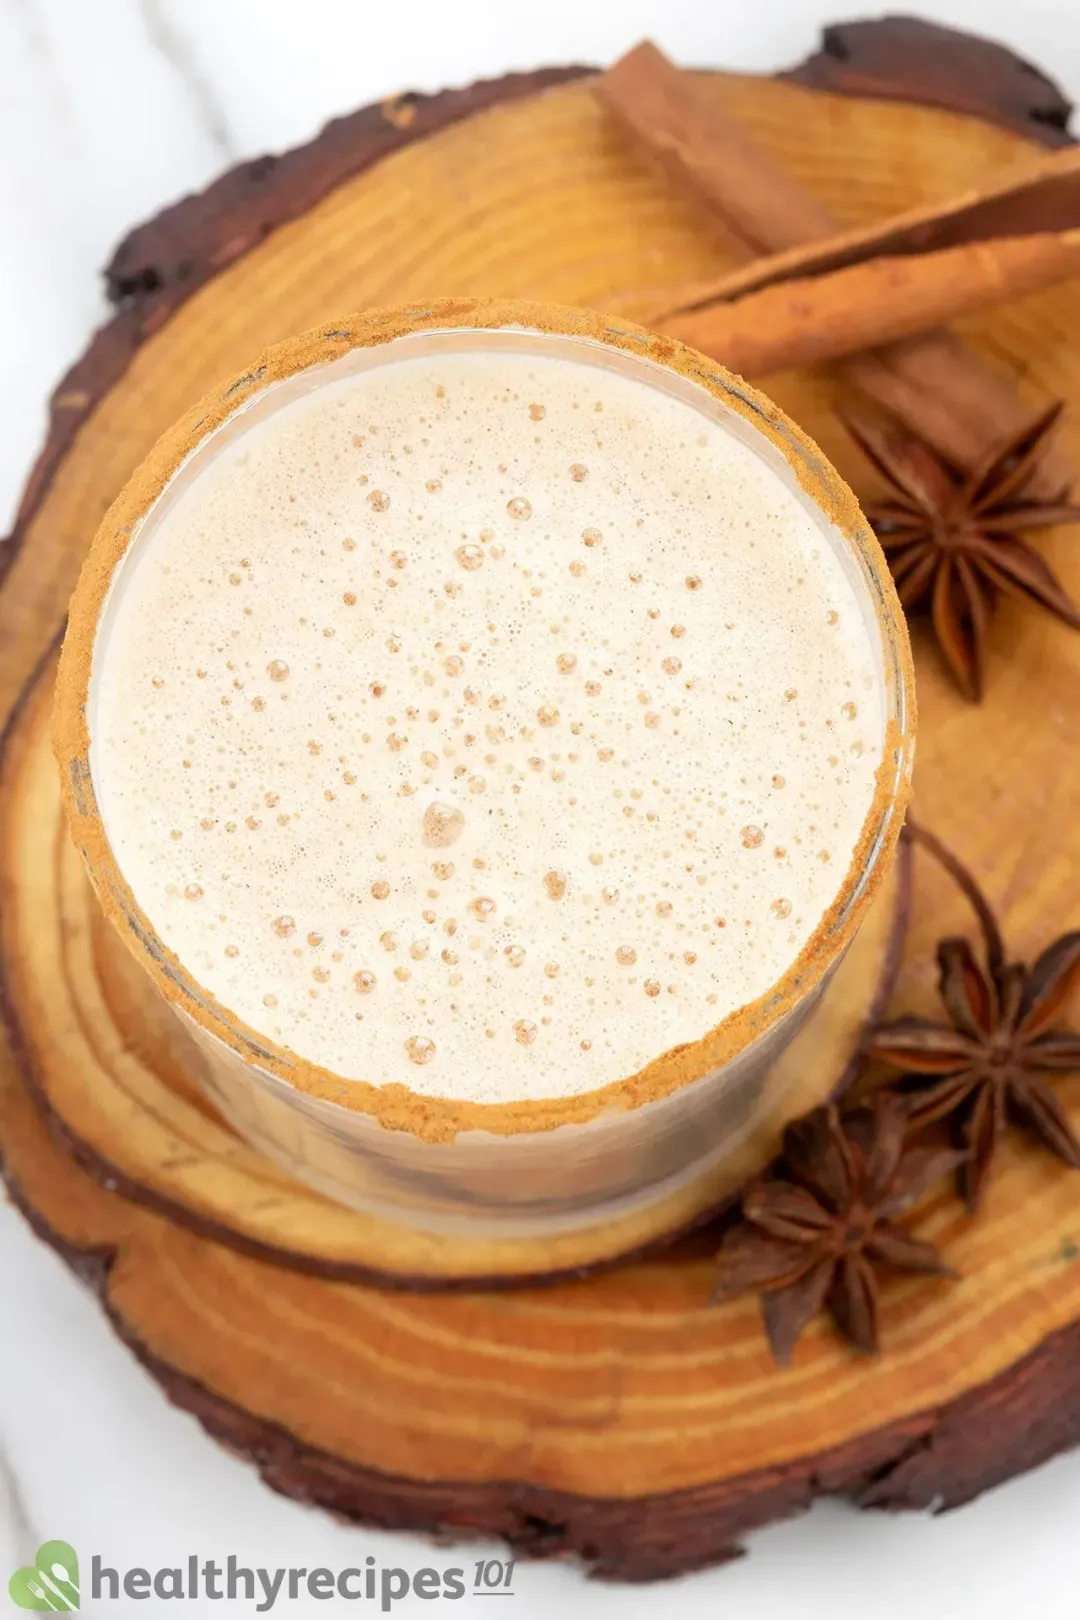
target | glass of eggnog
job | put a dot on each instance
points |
(487, 724)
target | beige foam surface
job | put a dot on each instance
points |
(486, 722)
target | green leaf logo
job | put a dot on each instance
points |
(51, 1582)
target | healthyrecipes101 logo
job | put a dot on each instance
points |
(51, 1582)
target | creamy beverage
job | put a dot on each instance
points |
(487, 722)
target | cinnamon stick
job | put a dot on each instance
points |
(1036, 200)
(866, 306)
(763, 208)
(936, 386)
(948, 397)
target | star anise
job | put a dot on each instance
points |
(985, 1067)
(952, 540)
(815, 1230)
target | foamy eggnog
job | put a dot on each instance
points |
(486, 719)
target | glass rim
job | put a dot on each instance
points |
(397, 1107)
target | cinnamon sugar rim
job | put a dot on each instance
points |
(395, 1106)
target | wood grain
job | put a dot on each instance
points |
(617, 1418)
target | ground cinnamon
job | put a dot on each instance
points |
(931, 382)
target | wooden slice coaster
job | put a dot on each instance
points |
(617, 1417)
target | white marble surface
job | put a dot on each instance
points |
(108, 109)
